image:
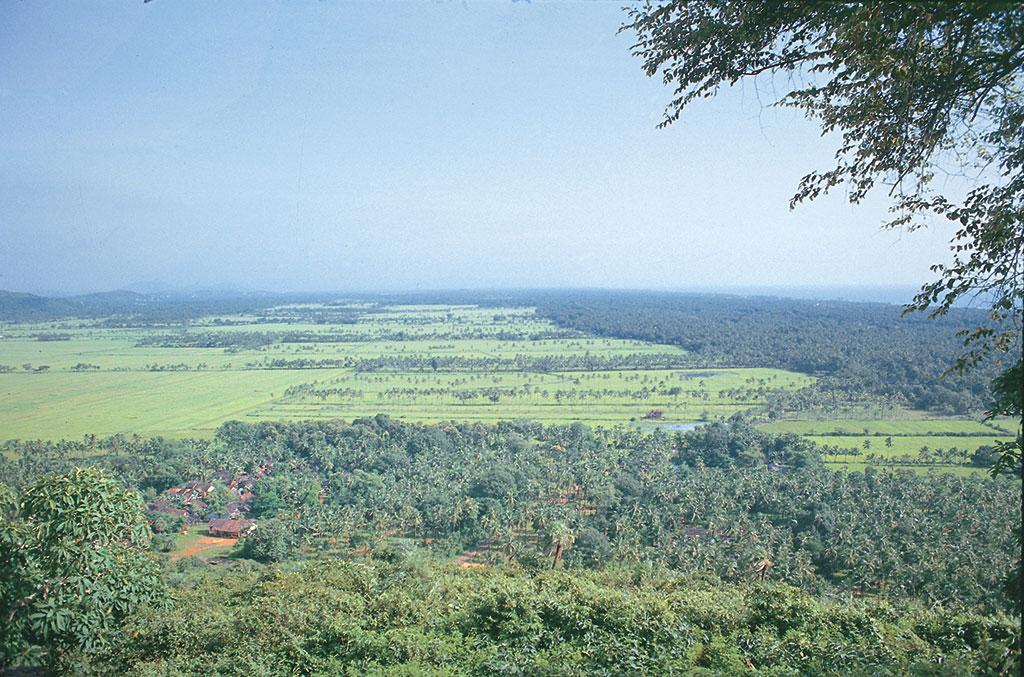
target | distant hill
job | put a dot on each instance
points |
(159, 307)
(19, 306)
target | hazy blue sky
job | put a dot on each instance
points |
(326, 145)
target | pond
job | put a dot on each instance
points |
(681, 426)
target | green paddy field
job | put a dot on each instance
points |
(418, 363)
(104, 380)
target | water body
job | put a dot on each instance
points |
(681, 426)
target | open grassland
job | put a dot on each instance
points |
(422, 363)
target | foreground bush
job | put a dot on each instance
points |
(73, 564)
(363, 617)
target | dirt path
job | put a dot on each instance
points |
(203, 544)
(466, 559)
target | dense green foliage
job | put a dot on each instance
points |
(372, 617)
(72, 566)
(1008, 400)
(857, 347)
(714, 501)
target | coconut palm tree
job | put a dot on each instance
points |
(560, 538)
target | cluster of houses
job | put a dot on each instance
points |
(191, 502)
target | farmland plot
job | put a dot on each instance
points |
(424, 363)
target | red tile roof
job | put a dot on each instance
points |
(230, 527)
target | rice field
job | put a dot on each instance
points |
(891, 426)
(597, 398)
(418, 363)
(933, 444)
(964, 471)
(58, 405)
(92, 379)
(907, 445)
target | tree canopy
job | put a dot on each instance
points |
(72, 566)
(915, 90)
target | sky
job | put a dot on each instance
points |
(314, 146)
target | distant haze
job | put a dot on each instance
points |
(319, 146)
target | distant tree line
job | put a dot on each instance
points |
(852, 347)
(247, 340)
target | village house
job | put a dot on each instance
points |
(165, 507)
(228, 528)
